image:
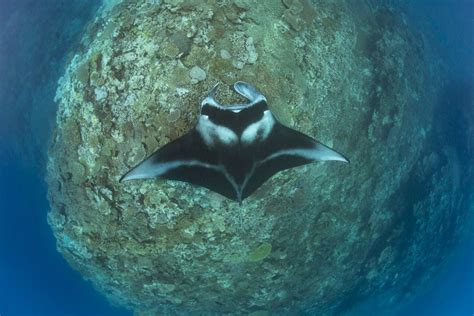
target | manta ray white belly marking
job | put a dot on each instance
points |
(258, 130)
(233, 149)
(212, 133)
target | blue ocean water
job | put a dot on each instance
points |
(35, 38)
(452, 28)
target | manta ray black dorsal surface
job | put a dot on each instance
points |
(234, 148)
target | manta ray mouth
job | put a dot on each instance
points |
(244, 89)
(234, 148)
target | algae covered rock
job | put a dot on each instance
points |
(314, 239)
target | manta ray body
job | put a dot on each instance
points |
(234, 148)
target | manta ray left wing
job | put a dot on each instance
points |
(185, 159)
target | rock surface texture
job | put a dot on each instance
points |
(316, 239)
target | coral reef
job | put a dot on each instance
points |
(314, 239)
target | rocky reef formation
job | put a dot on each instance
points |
(314, 239)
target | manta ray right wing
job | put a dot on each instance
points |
(186, 159)
(286, 148)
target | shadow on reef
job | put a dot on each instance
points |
(454, 118)
(450, 146)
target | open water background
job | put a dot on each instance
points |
(35, 38)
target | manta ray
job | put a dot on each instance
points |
(233, 149)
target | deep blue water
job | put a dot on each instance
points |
(35, 37)
(451, 25)
(34, 278)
